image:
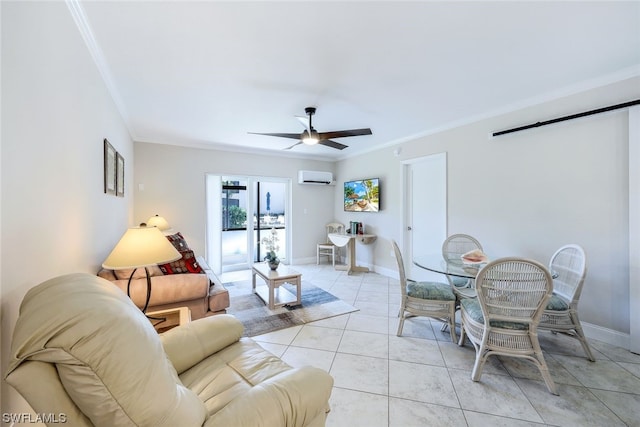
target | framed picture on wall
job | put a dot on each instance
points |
(119, 175)
(109, 168)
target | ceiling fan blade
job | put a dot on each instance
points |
(345, 133)
(290, 147)
(304, 121)
(281, 135)
(332, 144)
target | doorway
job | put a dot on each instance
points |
(241, 211)
(425, 207)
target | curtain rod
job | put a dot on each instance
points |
(570, 117)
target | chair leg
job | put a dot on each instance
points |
(452, 330)
(542, 365)
(580, 335)
(546, 376)
(451, 324)
(461, 340)
(333, 256)
(400, 326)
(401, 315)
(478, 366)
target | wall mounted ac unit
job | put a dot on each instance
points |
(315, 177)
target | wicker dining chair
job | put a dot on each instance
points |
(327, 248)
(503, 320)
(429, 299)
(453, 248)
(569, 263)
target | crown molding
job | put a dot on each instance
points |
(204, 145)
(583, 86)
(80, 18)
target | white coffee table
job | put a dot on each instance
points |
(271, 292)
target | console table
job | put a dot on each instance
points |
(272, 293)
(349, 240)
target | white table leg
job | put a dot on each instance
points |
(299, 290)
(271, 286)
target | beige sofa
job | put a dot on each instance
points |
(203, 293)
(82, 350)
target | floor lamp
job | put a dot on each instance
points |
(141, 247)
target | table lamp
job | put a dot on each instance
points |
(159, 222)
(141, 247)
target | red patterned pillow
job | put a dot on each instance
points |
(178, 242)
(186, 264)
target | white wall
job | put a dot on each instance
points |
(56, 112)
(174, 187)
(528, 193)
(387, 222)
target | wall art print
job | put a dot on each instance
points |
(109, 168)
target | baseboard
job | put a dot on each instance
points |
(301, 261)
(609, 336)
(388, 272)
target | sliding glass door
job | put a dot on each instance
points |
(270, 215)
(235, 245)
(241, 211)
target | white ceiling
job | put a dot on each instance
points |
(209, 72)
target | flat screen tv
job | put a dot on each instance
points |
(362, 195)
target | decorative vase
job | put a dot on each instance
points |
(273, 264)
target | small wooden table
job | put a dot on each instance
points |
(271, 293)
(173, 317)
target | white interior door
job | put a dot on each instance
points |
(634, 229)
(426, 211)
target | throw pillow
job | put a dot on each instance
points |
(186, 264)
(178, 242)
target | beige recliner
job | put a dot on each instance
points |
(81, 348)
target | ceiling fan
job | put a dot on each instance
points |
(311, 137)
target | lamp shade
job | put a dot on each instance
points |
(141, 247)
(159, 222)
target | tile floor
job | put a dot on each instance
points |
(423, 379)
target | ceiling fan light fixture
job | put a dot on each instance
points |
(310, 138)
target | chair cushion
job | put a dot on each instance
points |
(557, 304)
(471, 306)
(459, 282)
(430, 290)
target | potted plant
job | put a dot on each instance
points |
(270, 242)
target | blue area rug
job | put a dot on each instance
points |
(317, 304)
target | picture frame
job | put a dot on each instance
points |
(119, 175)
(109, 168)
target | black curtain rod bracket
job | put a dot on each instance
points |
(570, 117)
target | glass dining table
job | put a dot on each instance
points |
(459, 274)
(452, 268)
